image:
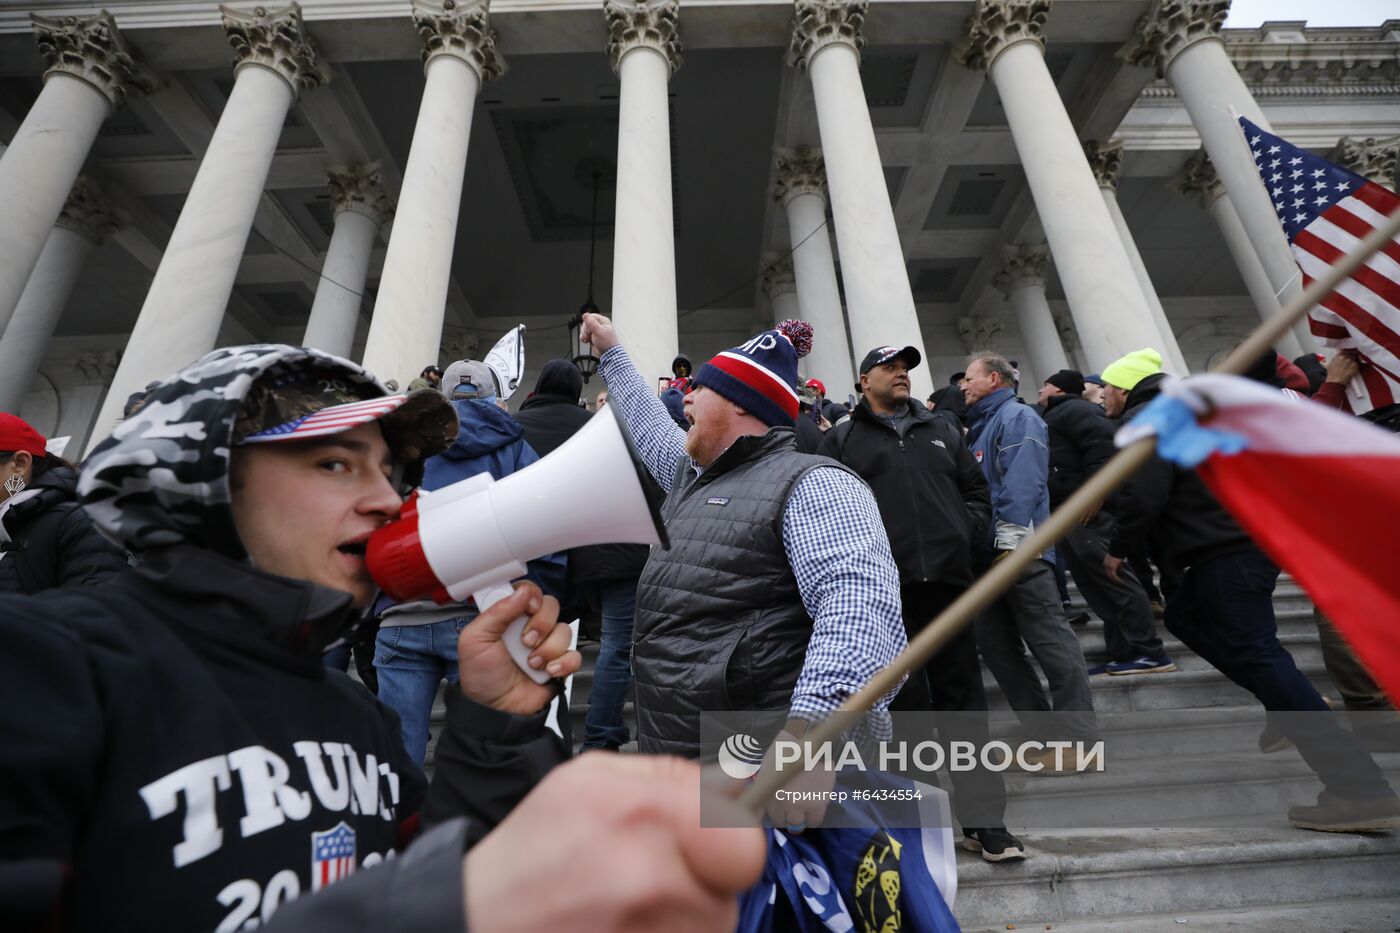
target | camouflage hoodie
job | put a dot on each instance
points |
(162, 477)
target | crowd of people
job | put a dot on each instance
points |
(184, 749)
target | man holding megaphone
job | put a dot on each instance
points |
(177, 757)
(779, 591)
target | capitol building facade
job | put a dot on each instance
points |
(404, 181)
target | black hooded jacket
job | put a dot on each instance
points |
(932, 495)
(1170, 508)
(176, 756)
(1081, 441)
(549, 418)
(52, 540)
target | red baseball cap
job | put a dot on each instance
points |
(16, 435)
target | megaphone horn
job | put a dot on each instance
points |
(473, 537)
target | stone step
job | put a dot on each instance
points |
(1078, 874)
(1188, 689)
(1236, 788)
(1370, 915)
(1143, 734)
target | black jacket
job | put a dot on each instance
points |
(52, 540)
(1170, 508)
(1081, 441)
(932, 495)
(177, 757)
(549, 421)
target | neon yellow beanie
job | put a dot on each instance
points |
(1127, 371)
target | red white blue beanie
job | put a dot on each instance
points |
(760, 375)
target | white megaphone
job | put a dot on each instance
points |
(473, 537)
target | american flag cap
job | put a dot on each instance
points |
(312, 402)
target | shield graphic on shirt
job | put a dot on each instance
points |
(332, 855)
(977, 454)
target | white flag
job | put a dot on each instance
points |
(507, 361)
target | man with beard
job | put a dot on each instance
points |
(778, 591)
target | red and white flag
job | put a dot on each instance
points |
(1317, 489)
(1326, 211)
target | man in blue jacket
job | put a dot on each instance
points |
(416, 647)
(1009, 440)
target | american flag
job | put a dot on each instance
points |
(332, 855)
(330, 420)
(1326, 211)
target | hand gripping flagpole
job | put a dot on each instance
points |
(1008, 569)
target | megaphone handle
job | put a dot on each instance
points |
(519, 653)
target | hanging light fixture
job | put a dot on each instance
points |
(584, 360)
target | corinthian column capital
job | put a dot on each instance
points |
(800, 171)
(1069, 335)
(97, 366)
(819, 23)
(1170, 27)
(87, 213)
(360, 187)
(1022, 265)
(91, 48)
(1106, 161)
(1372, 159)
(1198, 179)
(462, 29)
(778, 276)
(996, 25)
(653, 24)
(276, 40)
(978, 333)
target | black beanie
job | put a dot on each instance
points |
(1068, 381)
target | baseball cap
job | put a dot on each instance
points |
(474, 372)
(1094, 379)
(314, 402)
(882, 355)
(16, 434)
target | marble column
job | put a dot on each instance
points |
(1022, 281)
(644, 46)
(95, 368)
(801, 191)
(1371, 158)
(459, 57)
(827, 39)
(1106, 161)
(779, 283)
(85, 220)
(361, 209)
(1199, 180)
(1112, 315)
(275, 59)
(1180, 39)
(1069, 339)
(89, 72)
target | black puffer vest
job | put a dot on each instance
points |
(720, 623)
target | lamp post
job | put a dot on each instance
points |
(583, 358)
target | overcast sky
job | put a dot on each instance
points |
(1247, 13)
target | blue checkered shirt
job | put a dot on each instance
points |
(835, 542)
